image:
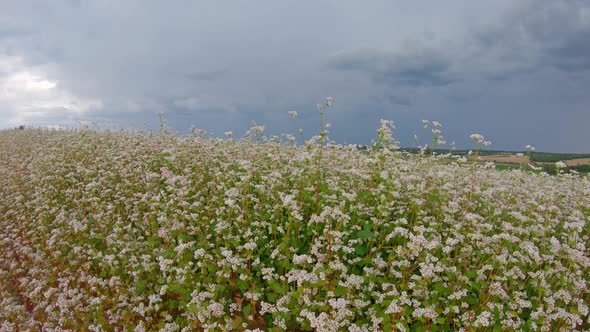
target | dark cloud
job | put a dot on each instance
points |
(397, 100)
(417, 67)
(573, 54)
(534, 36)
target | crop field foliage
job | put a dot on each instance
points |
(120, 231)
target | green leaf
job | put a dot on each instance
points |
(177, 288)
(243, 285)
(473, 300)
(141, 286)
(477, 286)
(277, 287)
(387, 326)
(192, 308)
(340, 291)
(271, 297)
(221, 291)
(361, 250)
(433, 198)
(441, 289)
(364, 234)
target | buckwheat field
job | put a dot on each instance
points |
(123, 231)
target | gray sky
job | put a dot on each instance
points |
(516, 71)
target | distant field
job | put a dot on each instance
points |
(555, 157)
(515, 159)
(511, 161)
(578, 162)
(535, 156)
(507, 158)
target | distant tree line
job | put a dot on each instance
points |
(544, 157)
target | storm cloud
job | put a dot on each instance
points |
(418, 68)
(515, 71)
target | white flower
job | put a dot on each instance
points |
(301, 259)
(250, 246)
(483, 319)
(329, 101)
(385, 132)
(199, 132)
(477, 138)
(162, 232)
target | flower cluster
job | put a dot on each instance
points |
(117, 231)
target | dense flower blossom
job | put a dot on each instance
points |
(118, 231)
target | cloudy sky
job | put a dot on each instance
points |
(516, 71)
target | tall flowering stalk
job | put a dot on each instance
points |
(294, 116)
(479, 142)
(529, 152)
(322, 140)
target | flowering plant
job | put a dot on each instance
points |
(116, 231)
